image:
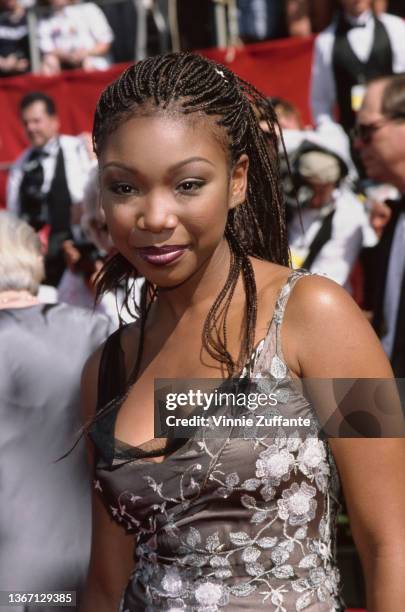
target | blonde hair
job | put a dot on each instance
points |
(21, 261)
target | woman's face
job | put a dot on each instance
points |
(166, 189)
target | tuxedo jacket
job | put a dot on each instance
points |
(381, 259)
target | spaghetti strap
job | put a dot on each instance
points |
(271, 359)
(111, 374)
(281, 304)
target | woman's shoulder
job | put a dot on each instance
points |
(322, 326)
(312, 292)
(329, 334)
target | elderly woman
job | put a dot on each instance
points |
(45, 510)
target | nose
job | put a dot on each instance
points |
(157, 215)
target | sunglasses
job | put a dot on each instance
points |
(366, 131)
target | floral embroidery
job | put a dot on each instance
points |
(250, 519)
(297, 505)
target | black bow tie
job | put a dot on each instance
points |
(350, 26)
(344, 25)
(38, 154)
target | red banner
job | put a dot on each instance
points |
(277, 68)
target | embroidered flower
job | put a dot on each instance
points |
(210, 595)
(297, 504)
(311, 456)
(274, 465)
(172, 583)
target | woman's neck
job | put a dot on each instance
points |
(17, 299)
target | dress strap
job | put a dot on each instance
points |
(111, 373)
(271, 359)
(284, 294)
(281, 304)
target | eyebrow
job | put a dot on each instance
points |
(172, 168)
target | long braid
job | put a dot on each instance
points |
(188, 83)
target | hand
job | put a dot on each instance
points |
(9, 63)
(78, 56)
(22, 64)
(71, 254)
(380, 214)
(50, 65)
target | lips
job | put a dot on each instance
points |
(161, 256)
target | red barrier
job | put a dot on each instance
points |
(280, 68)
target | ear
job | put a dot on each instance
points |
(239, 181)
(56, 123)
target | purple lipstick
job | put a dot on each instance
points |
(161, 256)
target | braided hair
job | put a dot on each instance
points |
(187, 83)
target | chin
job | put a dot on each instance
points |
(373, 170)
(167, 281)
(166, 277)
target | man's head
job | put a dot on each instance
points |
(356, 7)
(288, 115)
(380, 131)
(38, 114)
(320, 172)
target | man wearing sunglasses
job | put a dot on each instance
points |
(379, 138)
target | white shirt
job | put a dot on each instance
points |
(77, 168)
(74, 27)
(323, 88)
(396, 268)
(337, 256)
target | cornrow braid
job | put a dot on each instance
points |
(188, 83)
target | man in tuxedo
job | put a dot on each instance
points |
(380, 141)
(46, 183)
(358, 46)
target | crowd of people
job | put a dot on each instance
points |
(88, 35)
(78, 261)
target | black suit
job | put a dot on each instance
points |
(381, 258)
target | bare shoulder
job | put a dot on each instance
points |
(328, 333)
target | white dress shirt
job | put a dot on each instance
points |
(323, 88)
(396, 268)
(77, 168)
(336, 258)
(74, 27)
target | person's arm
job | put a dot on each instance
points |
(100, 48)
(297, 16)
(100, 29)
(112, 548)
(328, 337)
(395, 27)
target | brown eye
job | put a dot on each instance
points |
(123, 189)
(190, 186)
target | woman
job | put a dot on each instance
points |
(192, 199)
(45, 515)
